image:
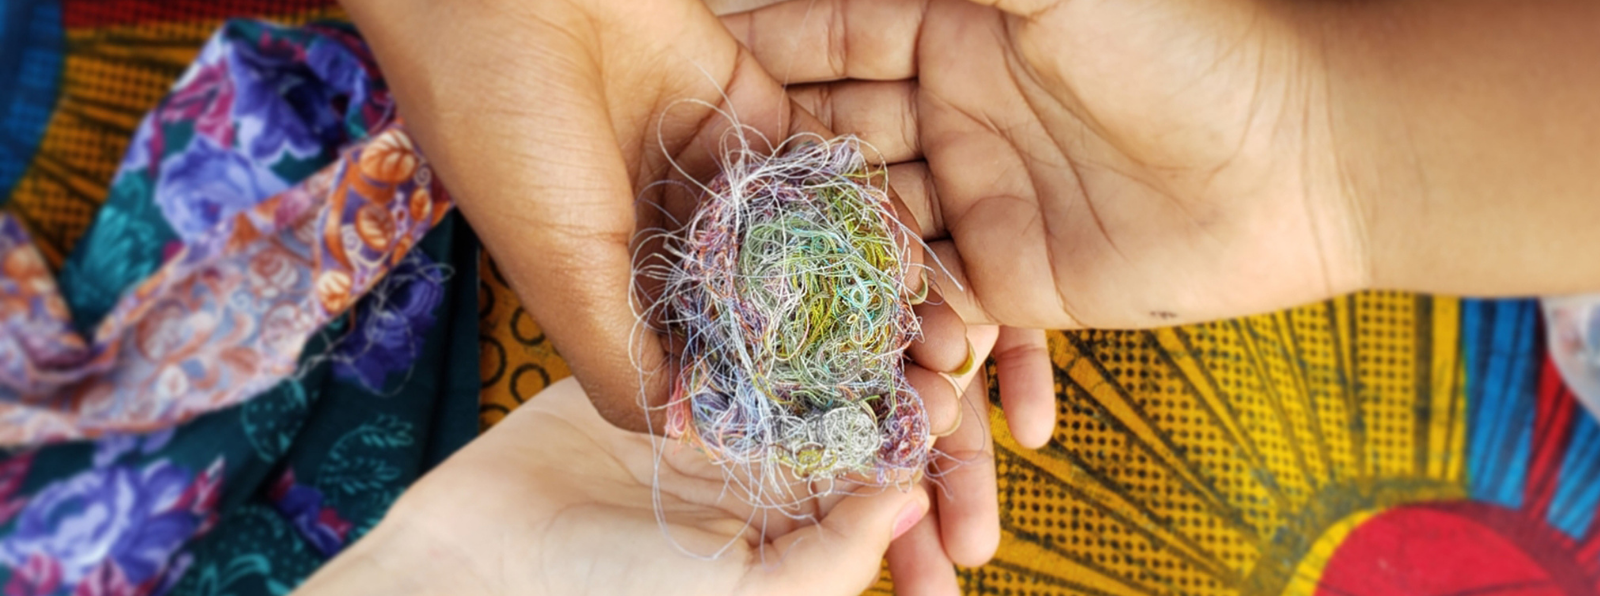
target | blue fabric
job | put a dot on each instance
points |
(31, 50)
(252, 499)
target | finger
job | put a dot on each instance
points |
(1030, 9)
(553, 274)
(1035, 305)
(943, 347)
(766, 119)
(918, 564)
(1027, 385)
(910, 236)
(810, 41)
(727, 7)
(882, 114)
(653, 265)
(939, 398)
(969, 509)
(848, 543)
(571, 251)
(954, 287)
(757, 104)
(913, 184)
(1032, 305)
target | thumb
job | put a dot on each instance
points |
(843, 552)
(1021, 8)
(542, 181)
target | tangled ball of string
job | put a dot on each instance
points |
(789, 291)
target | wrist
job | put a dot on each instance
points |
(1472, 168)
(1318, 153)
(1358, 175)
(397, 557)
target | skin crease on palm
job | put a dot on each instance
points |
(1104, 163)
(555, 198)
(1094, 163)
(598, 67)
(1137, 163)
(575, 512)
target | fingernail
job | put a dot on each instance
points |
(909, 516)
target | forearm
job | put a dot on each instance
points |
(1468, 133)
(392, 561)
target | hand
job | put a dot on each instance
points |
(1089, 163)
(551, 122)
(555, 501)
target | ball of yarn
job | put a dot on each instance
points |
(789, 292)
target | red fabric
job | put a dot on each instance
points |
(110, 13)
(1554, 410)
(1454, 549)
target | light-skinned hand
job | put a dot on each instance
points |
(554, 500)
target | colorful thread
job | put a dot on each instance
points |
(789, 291)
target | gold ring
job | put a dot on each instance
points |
(961, 411)
(922, 295)
(968, 364)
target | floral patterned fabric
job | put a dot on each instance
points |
(224, 317)
(246, 121)
(266, 335)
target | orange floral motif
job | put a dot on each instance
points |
(284, 326)
(421, 205)
(389, 158)
(375, 226)
(401, 249)
(243, 359)
(172, 382)
(24, 266)
(224, 317)
(333, 291)
(272, 274)
(57, 307)
(162, 332)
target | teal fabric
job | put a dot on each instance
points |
(251, 499)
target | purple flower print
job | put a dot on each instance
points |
(289, 94)
(205, 97)
(107, 579)
(321, 526)
(39, 575)
(127, 517)
(110, 448)
(276, 111)
(176, 568)
(206, 184)
(337, 63)
(12, 472)
(391, 323)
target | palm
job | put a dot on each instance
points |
(551, 119)
(1101, 162)
(1149, 176)
(572, 513)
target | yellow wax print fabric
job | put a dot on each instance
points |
(1226, 458)
(121, 57)
(1376, 444)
